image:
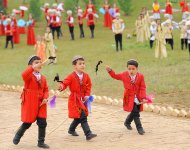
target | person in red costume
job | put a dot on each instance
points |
(1, 24)
(70, 22)
(79, 84)
(168, 9)
(5, 3)
(134, 93)
(80, 22)
(107, 16)
(91, 21)
(34, 99)
(16, 34)
(9, 33)
(89, 5)
(31, 39)
(184, 8)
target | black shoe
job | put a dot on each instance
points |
(141, 131)
(16, 139)
(73, 133)
(90, 136)
(43, 145)
(128, 126)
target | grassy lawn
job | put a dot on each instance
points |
(167, 78)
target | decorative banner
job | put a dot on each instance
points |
(21, 23)
(102, 11)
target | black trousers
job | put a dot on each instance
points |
(71, 30)
(118, 40)
(84, 124)
(171, 42)
(151, 43)
(81, 31)
(92, 27)
(56, 29)
(189, 48)
(9, 38)
(134, 115)
(184, 42)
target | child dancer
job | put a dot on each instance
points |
(40, 48)
(153, 30)
(9, 33)
(79, 84)
(80, 22)
(91, 21)
(118, 28)
(34, 99)
(134, 94)
(183, 34)
(188, 34)
(70, 21)
(50, 49)
(168, 33)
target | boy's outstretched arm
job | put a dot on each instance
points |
(66, 82)
(113, 74)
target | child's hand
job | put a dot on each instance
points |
(108, 68)
(144, 101)
(60, 87)
(86, 98)
(44, 102)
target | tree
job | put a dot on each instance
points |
(125, 6)
(34, 9)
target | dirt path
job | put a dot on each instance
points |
(162, 133)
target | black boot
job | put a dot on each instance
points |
(92, 34)
(73, 126)
(139, 125)
(20, 133)
(90, 136)
(41, 138)
(128, 121)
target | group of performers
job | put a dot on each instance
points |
(9, 27)
(151, 27)
(34, 98)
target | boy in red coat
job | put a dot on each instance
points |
(70, 21)
(34, 99)
(80, 86)
(134, 94)
(9, 33)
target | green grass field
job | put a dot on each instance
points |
(167, 78)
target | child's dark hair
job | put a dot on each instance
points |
(75, 62)
(132, 62)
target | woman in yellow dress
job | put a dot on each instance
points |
(160, 48)
(140, 28)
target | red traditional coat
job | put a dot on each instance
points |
(184, 6)
(78, 91)
(107, 17)
(31, 39)
(54, 19)
(1, 26)
(90, 19)
(169, 9)
(8, 30)
(131, 89)
(68, 21)
(16, 34)
(33, 94)
(80, 19)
